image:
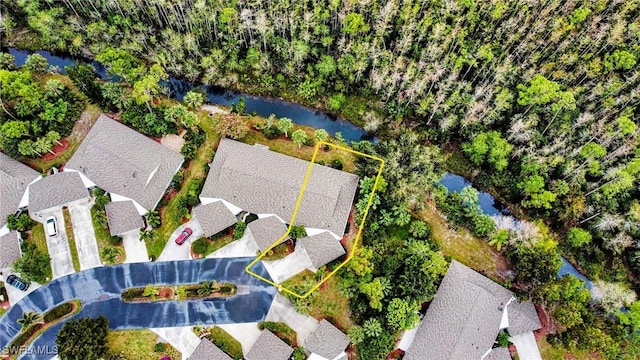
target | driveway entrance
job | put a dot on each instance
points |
(85, 236)
(61, 263)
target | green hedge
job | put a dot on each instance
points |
(58, 312)
(130, 294)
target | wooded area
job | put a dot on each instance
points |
(534, 101)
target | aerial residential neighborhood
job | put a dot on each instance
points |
(309, 180)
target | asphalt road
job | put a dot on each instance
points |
(99, 290)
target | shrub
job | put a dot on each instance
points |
(337, 164)
(159, 347)
(297, 232)
(189, 150)
(238, 231)
(577, 237)
(200, 246)
(20, 222)
(115, 240)
(271, 132)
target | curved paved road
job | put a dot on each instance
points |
(99, 290)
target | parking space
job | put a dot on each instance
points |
(135, 249)
(85, 236)
(61, 263)
(14, 294)
(173, 251)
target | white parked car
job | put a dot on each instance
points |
(51, 226)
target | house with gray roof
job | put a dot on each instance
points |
(125, 163)
(523, 318)
(122, 217)
(213, 217)
(9, 249)
(269, 347)
(265, 231)
(15, 178)
(321, 249)
(61, 189)
(262, 181)
(206, 350)
(464, 318)
(327, 341)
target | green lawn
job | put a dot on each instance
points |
(38, 238)
(103, 236)
(71, 239)
(194, 170)
(225, 342)
(287, 146)
(40, 241)
(138, 345)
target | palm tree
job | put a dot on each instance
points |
(206, 287)
(500, 239)
(30, 318)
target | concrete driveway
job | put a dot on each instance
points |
(182, 338)
(282, 310)
(61, 263)
(526, 346)
(292, 264)
(85, 236)
(173, 251)
(245, 246)
(135, 249)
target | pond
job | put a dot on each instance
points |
(260, 105)
(491, 207)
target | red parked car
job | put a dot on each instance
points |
(184, 235)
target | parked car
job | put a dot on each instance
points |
(52, 226)
(184, 235)
(17, 282)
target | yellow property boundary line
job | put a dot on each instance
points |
(295, 211)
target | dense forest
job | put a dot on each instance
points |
(533, 100)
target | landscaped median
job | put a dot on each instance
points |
(34, 324)
(203, 290)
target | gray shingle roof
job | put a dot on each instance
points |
(269, 347)
(322, 248)
(9, 249)
(463, 319)
(523, 318)
(266, 182)
(122, 217)
(214, 217)
(14, 179)
(266, 230)
(327, 341)
(498, 354)
(206, 350)
(122, 161)
(56, 190)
